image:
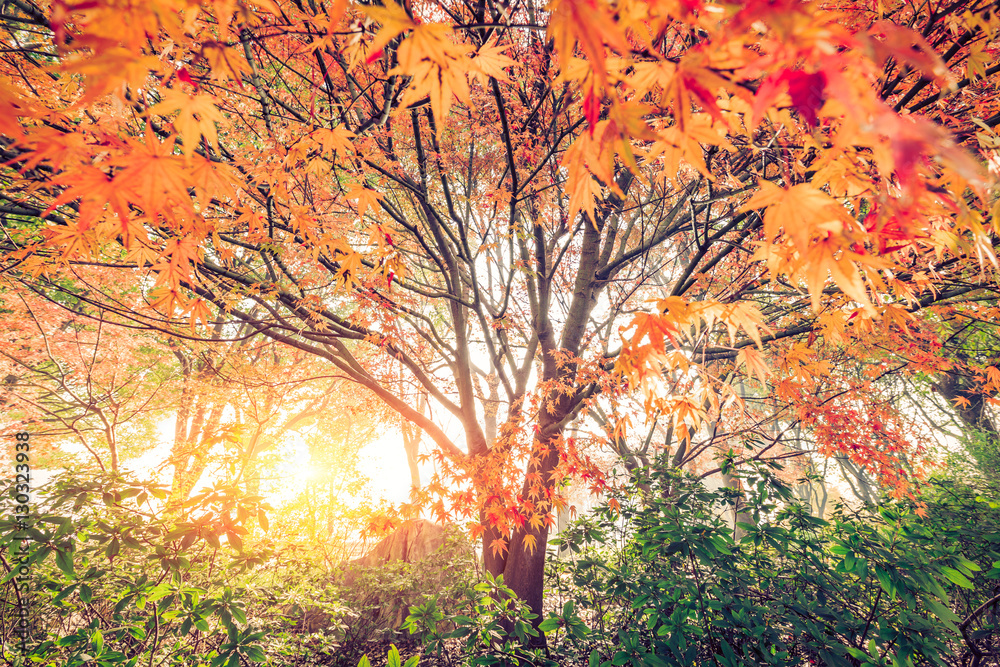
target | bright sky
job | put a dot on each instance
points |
(383, 461)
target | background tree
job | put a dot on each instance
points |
(79, 381)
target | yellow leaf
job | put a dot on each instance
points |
(394, 20)
(977, 62)
(365, 197)
(489, 61)
(754, 363)
(350, 269)
(337, 139)
(224, 62)
(196, 117)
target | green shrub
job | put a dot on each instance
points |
(664, 583)
(113, 578)
(496, 627)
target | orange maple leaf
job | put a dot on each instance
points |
(152, 176)
(498, 546)
(196, 117)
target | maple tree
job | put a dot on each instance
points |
(79, 382)
(479, 200)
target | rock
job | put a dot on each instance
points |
(417, 558)
(414, 541)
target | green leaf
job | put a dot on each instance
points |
(213, 539)
(549, 624)
(943, 612)
(64, 593)
(967, 564)
(64, 559)
(97, 642)
(849, 562)
(254, 653)
(65, 528)
(364, 662)
(238, 614)
(885, 581)
(112, 549)
(162, 589)
(956, 577)
(392, 660)
(86, 595)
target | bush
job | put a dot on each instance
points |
(115, 579)
(664, 582)
(495, 627)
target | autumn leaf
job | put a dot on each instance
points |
(586, 23)
(961, 402)
(806, 90)
(753, 362)
(498, 546)
(977, 63)
(199, 311)
(224, 63)
(905, 45)
(365, 197)
(799, 212)
(437, 66)
(152, 175)
(333, 140)
(196, 117)
(394, 20)
(166, 300)
(489, 62)
(743, 315)
(113, 70)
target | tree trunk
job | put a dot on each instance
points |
(525, 569)
(739, 512)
